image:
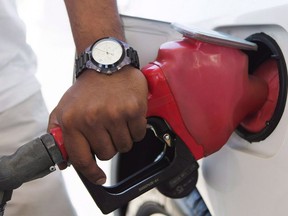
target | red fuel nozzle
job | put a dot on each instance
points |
(203, 91)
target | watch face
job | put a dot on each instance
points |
(107, 52)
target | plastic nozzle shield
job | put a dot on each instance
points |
(57, 134)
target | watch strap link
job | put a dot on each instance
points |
(80, 63)
(132, 54)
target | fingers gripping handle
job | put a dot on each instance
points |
(172, 169)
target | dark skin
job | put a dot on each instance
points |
(99, 113)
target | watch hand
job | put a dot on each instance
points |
(108, 53)
(101, 50)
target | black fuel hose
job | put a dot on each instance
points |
(33, 160)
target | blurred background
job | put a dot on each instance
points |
(49, 34)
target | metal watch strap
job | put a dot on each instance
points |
(80, 63)
(132, 54)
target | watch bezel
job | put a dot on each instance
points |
(107, 68)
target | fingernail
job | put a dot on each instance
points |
(101, 181)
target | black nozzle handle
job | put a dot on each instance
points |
(171, 169)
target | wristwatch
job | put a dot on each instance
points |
(106, 55)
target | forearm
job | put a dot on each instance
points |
(93, 19)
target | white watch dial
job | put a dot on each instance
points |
(107, 52)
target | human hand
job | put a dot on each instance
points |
(103, 115)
